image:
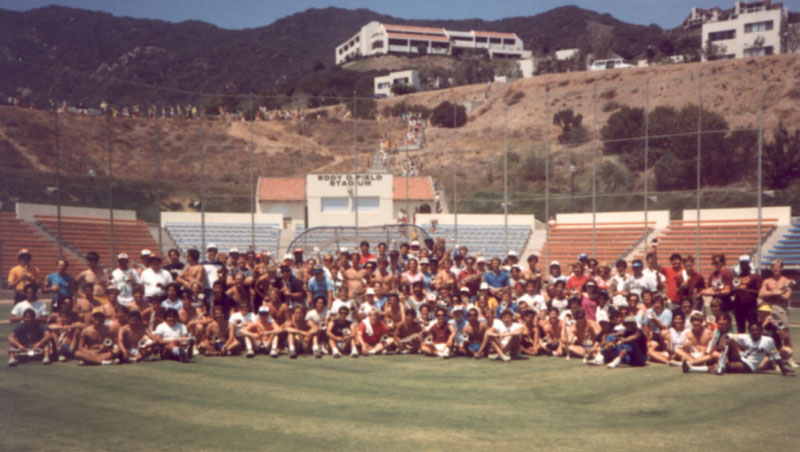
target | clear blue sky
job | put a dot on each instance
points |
(255, 13)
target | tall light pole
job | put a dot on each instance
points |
(572, 171)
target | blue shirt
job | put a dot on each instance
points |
(63, 283)
(498, 313)
(498, 280)
(319, 288)
(665, 318)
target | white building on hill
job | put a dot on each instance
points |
(749, 29)
(384, 84)
(376, 38)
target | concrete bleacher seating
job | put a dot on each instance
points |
(16, 234)
(225, 236)
(487, 240)
(613, 240)
(788, 247)
(330, 240)
(84, 234)
(730, 237)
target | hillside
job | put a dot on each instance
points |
(27, 138)
(83, 56)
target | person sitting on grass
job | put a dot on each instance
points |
(776, 326)
(443, 334)
(581, 335)
(302, 334)
(552, 333)
(369, 334)
(240, 320)
(628, 346)
(65, 331)
(135, 341)
(505, 337)
(174, 338)
(409, 333)
(261, 332)
(96, 343)
(696, 350)
(474, 333)
(745, 353)
(220, 339)
(340, 334)
(29, 338)
(194, 316)
(153, 315)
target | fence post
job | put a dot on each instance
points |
(646, 156)
(594, 177)
(202, 180)
(252, 181)
(757, 262)
(355, 167)
(58, 186)
(699, 157)
(505, 177)
(110, 194)
(546, 180)
(158, 187)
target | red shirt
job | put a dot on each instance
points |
(674, 280)
(575, 283)
(378, 331)
(364, 258)
(440, 333)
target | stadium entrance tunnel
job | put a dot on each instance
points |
(331, 239)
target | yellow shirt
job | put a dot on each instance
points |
(17, 271)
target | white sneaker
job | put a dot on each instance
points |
(371, 353)
(615, 363)
(273, 354)
(337, 354)
(494, 357)
(506, 358)
(46, 360)
(251, 354)
(107, 362)
(791, 362)
(61, 358)
(12, 362)
(354, 354)
(674, 363)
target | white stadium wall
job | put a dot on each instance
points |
(336, 193)
(26, 211)
(660, 218)
(220, 217)
(782, 213)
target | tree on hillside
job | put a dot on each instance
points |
(571, 129)
(781, 158)
(442, 115)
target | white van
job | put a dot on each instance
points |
(614, 63)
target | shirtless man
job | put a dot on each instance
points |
(474, 333)
(139, 302)
(530, 336)
(134, 340)
(388, 281)
(194, 273)
(553, 331)
(697, 340)
(777, 290)
(220, 339)
(341, 337)
(119, 319)
(95, 275)
(303, 337)
(96, 343)
(443, 334)
(409, 334)
(582, 335)
(87, 303)
(505, 337)
(262, 331)
(174, 338)
(65, 332)
(195, 318)
(264, 281)
(239, 291)
(354, 280)
(393, 313)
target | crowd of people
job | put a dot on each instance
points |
(419, 299)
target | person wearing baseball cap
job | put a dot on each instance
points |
(124, 279)
(555, 273)
(155, 279)
(641, 281)
(630, 346)
(23, 274)
(144, 261)
(319, 286)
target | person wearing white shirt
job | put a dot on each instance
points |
(173, 300)
(505, 336)
(30, 302)
(124, 279)
(534, 299)
(640, 280)
(155, 279)
(174, 338)
(240, 320)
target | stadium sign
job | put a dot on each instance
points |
(349, 180)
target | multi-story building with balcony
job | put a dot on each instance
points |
(749, 29)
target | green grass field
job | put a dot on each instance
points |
(390, 403)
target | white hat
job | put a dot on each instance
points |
(288, 256)
(370, 291)
(465, 289)
(343, 250)
(424, 260)
(122, 256)
(512, 253)
(264, 309)
(484, 286)
(146, 252)
(233, 250)
(211, 246)
(415, 243)
(431, 297)
(744, 258)
(555, 263)
(480, 259)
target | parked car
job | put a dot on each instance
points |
(614, 63)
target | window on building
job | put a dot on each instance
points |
(495, 40)
(758, 26)
(758, 51)
(509, 42)
(377, 45)
(461, 38)
(335, 205)
(480, 39)
(721, 35)
(368, 204)
(398, 42)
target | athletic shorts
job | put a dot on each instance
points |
(440, 347)
(474, 347)
(748, 368)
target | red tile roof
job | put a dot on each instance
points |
(495, 34)
(280, 188)
(418, 188)
(419, 37)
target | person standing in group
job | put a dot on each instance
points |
(23, 274)
(60, 284)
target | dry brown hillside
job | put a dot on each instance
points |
(728, 87)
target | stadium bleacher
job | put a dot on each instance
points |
(225, 235)
(331, 239)
(84, 234)
(788, 247)
(17, 234)
(613, 240)
(730, 237)
(488, 240)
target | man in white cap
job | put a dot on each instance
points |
(155, 279)
(212, 267)
(23, 274)
(144, 261)
(745, 294)
(368, 305)
(555, 273)
(124, 278)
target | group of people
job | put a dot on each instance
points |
(418, 299)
